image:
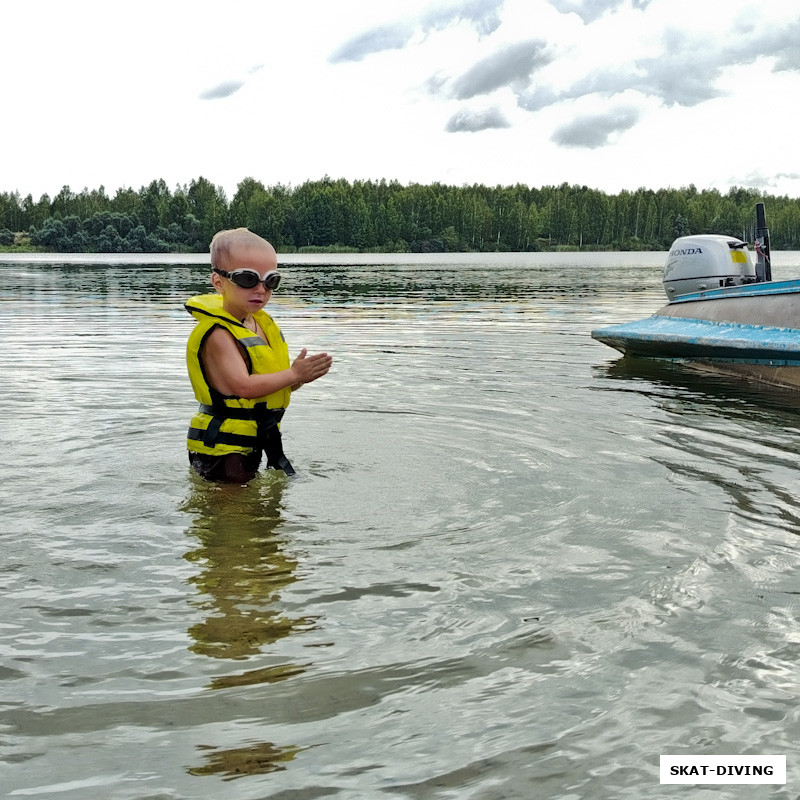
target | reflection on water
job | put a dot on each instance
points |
(512, 564)
(242, 570)
(258, 759)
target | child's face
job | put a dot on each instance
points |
(237, 301)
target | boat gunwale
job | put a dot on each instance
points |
(762, 289)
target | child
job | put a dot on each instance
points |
(239, 364)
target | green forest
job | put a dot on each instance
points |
(385, 216)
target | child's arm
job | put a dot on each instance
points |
(227, 371)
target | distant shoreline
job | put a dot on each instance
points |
(339, 216)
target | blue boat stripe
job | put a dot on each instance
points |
(676, 337)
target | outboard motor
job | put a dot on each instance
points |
(706, 261)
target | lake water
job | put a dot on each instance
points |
(511, 565)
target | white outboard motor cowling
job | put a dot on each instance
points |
(707, 261)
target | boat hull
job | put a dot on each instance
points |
(775, 304)
(752, 331)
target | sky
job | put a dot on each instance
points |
(610, 94)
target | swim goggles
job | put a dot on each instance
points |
(249, 278)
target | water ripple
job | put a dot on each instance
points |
(511, 564)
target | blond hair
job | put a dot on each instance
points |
(225, 241)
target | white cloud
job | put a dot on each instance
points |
(596, 130)
(474, 121)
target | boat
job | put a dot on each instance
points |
(724, 312)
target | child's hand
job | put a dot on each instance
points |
(309, 368)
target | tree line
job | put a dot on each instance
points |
(386, 216)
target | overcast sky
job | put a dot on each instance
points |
(613, 94)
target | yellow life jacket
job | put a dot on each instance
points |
(228, 424)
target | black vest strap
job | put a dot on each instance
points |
(223, 412)
(272, 444)
(212, 436)
(268, 437)
(260, 413)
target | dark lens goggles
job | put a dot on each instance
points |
(249, 278)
